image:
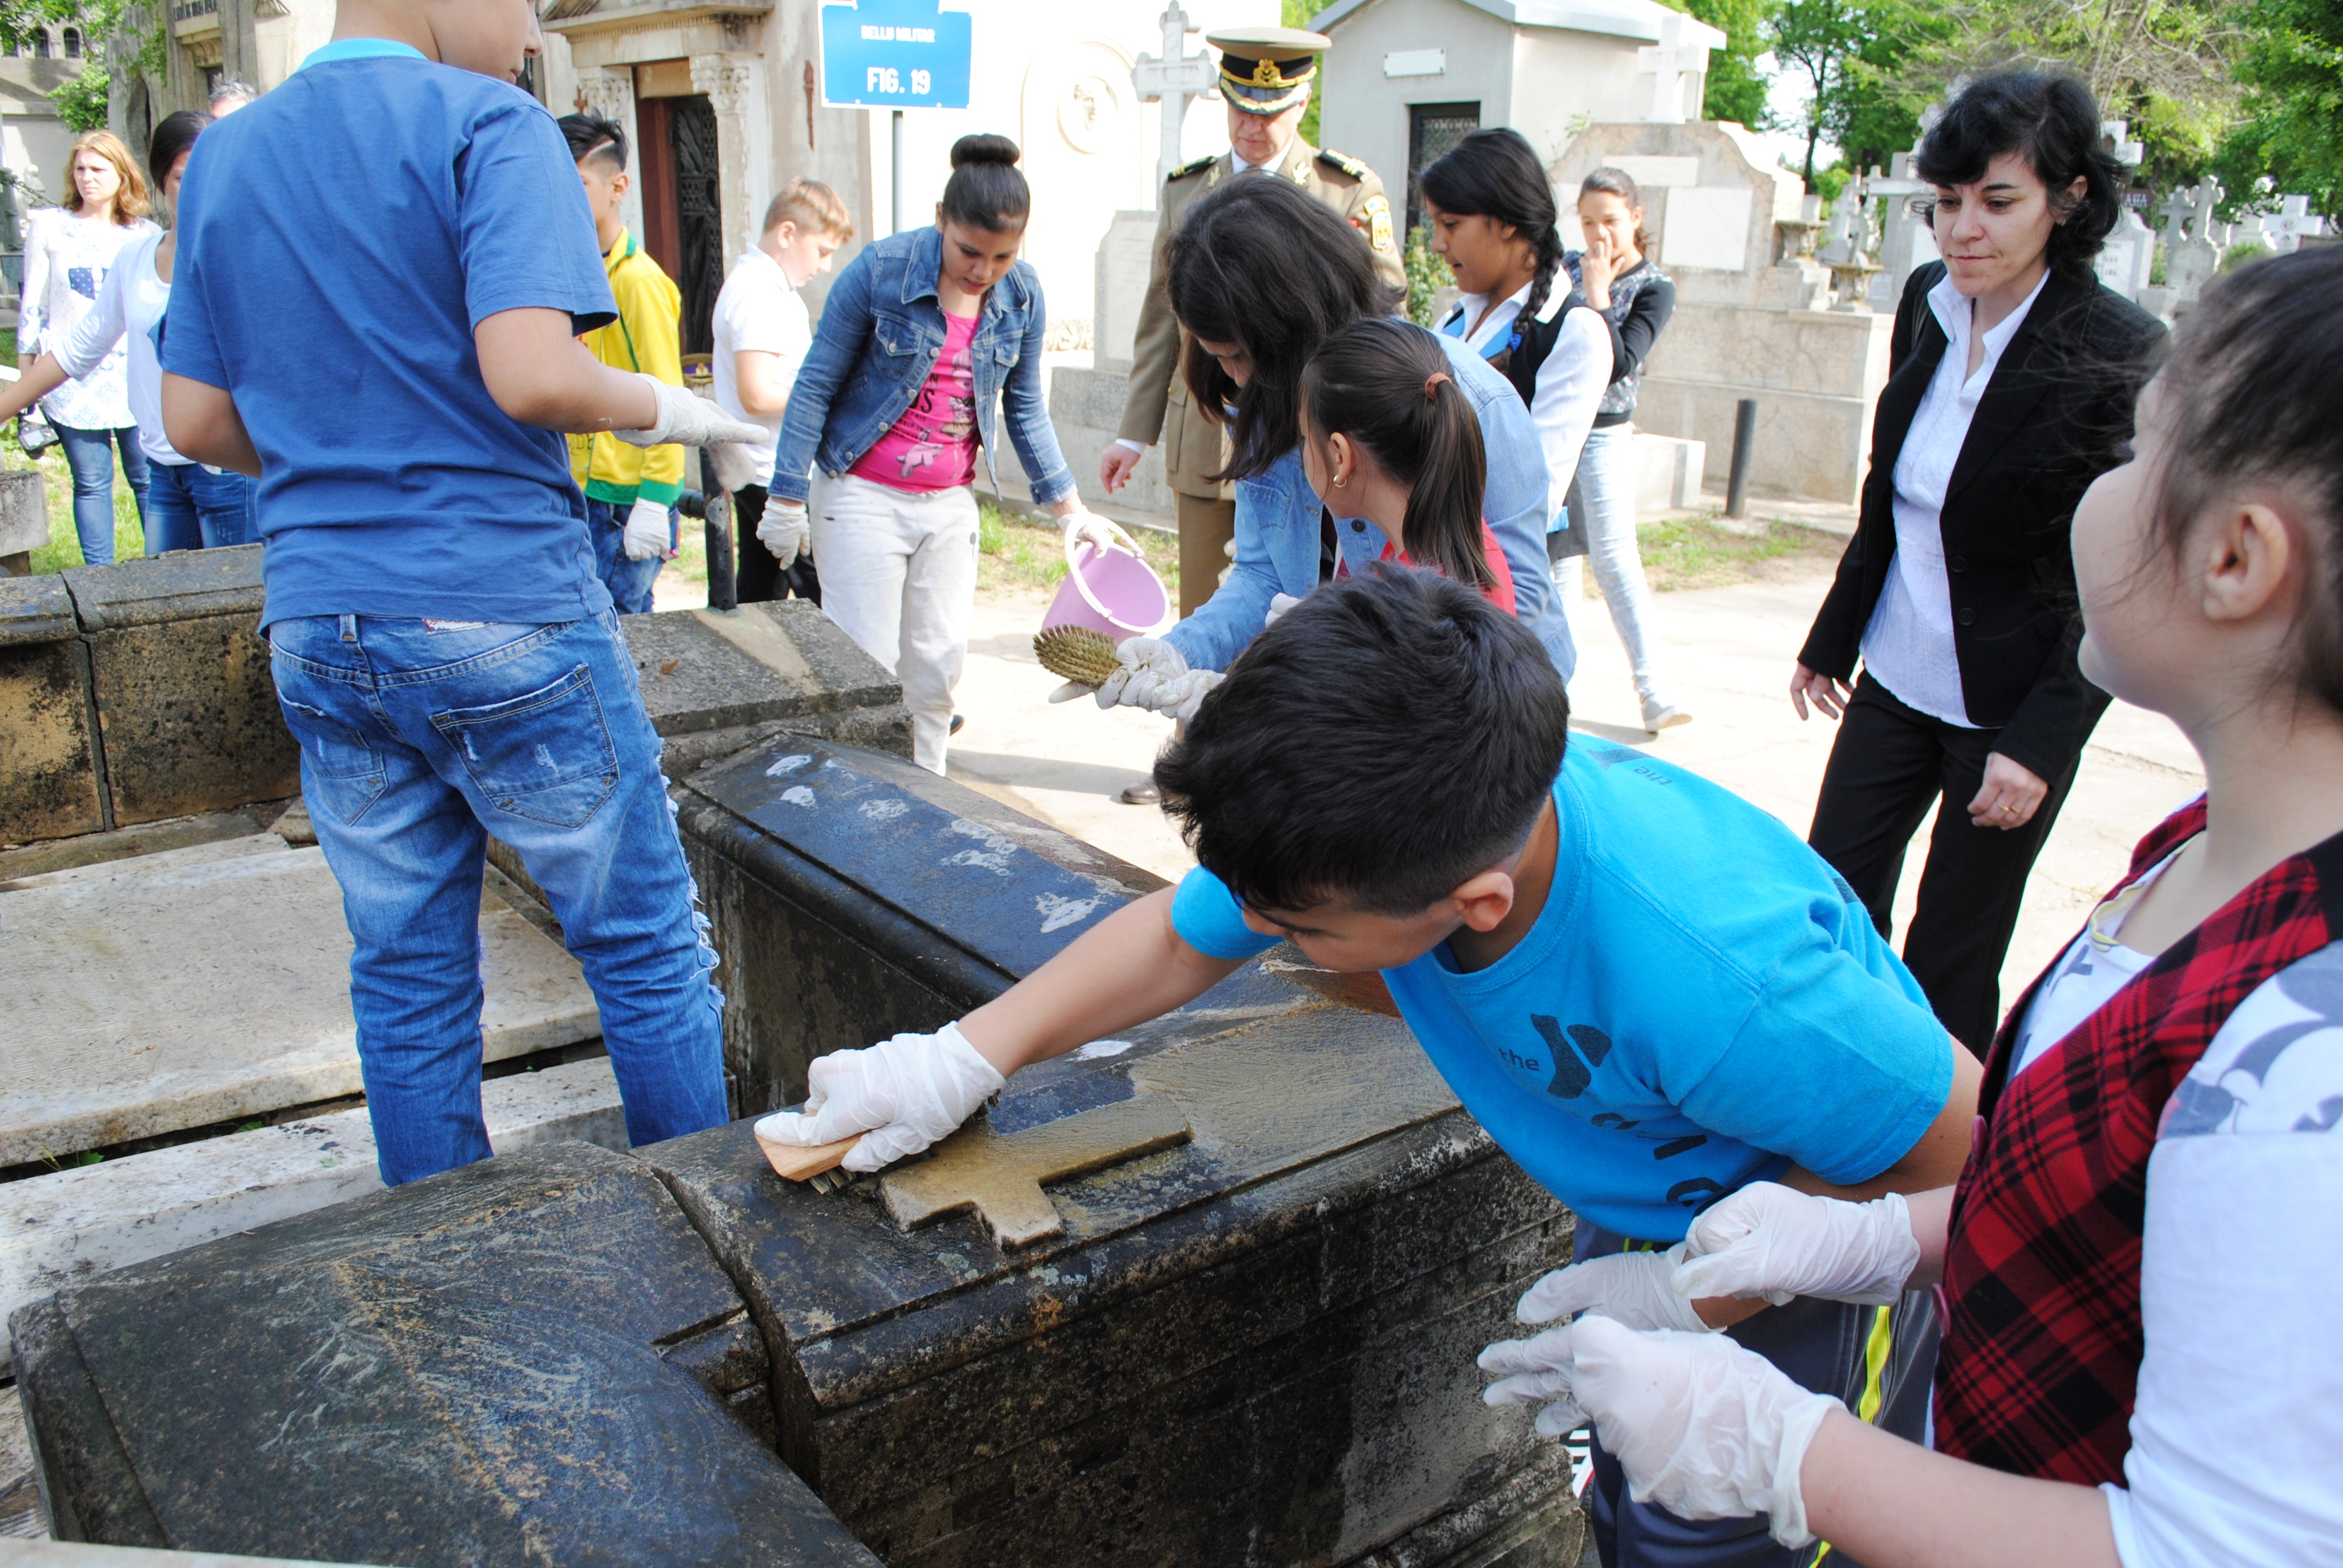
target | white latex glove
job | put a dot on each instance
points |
(646, 532)
(1278, 605)
(901, 1095)
(1631, 1287)
(1768, 1241)
(1099, 532)
(1146, 661)
(687, 419)
(1702, 1426)
(1541, 1373)
(1181, 695)
(782, 530)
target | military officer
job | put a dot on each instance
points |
(1266, 74)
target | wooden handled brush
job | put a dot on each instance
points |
(1076, 653)
(817, 1163)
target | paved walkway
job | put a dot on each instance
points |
(1729, 650)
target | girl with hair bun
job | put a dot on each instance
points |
(922, 336)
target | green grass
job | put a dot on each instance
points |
(1687, 552)
(64, 549)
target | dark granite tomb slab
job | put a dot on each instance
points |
(854, 895)
(1255, 1348)
(532, 1359)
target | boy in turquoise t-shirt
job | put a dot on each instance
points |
(1650, 992)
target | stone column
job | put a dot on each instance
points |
(734, 84)
(609, 91)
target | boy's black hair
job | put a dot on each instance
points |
(987, 190)
(594, 136)
(1389, 739)
(2249, 396)
(2053, 120)
(1261, 264)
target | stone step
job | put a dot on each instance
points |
(147, 997)
(58, 1229)
(133, 866)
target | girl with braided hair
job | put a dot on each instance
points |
(1492, 216)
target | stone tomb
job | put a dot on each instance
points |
(1244, 1329)
(122, 1025)
(531, 1359)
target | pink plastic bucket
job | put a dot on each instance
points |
(1112, 591)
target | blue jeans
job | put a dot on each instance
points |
(418, 740)
(90, 455)
(629, 582)
(189, 507)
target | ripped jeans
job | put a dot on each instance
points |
(419, 739)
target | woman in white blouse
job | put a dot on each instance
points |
(68, 253)
(188, 505)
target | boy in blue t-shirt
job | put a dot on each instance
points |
(383, 267)
(1648, 991)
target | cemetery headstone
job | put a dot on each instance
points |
(2124, 262)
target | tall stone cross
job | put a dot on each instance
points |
(1172, 79)
(2178, 208)
(1668, 63)
(2285, 228)
(2207, 195)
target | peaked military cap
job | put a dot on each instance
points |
(1267, 70)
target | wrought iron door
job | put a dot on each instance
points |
(1431, 130)
(691, 131)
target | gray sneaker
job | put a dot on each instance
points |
(1659, 716)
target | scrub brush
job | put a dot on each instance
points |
(1076, 653)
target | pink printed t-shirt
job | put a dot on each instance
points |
(933, 447)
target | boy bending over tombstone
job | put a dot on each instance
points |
(1647, 990)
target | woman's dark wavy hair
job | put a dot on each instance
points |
(1260, 264)
(2052, 118)
(173, 134)
(1373, 381)
(1493, 174)
(2248, 394)
(987, 190)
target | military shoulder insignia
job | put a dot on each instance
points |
(1199, 166)
(1379, 224)
(1344, 162)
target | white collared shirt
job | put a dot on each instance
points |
(1908, 646)
(1570, 383)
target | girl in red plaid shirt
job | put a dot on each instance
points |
(2143, 1362)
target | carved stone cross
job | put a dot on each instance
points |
(1172, 79)
(1001, 1175)
(1668, 63)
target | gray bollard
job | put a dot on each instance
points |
(723, 584)
(1745, 438)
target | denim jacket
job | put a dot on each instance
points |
(881, 329)
(1277, 532)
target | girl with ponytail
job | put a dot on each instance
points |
(1492, 216)
(1388, 435)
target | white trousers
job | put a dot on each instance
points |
(899, 575)
(1606, 482)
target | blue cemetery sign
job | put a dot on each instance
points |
(894, 55)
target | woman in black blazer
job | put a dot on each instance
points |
(2012, 373)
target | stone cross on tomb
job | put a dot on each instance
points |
(1668, 63)
(2176, 209)
(2284, 230)
(999, 1176)
(2129, 154)
(1172, 80)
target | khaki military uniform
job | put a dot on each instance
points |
(1159, 409)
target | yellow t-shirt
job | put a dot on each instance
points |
(647, 335)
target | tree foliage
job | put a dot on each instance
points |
(1735, 88)
(1855, 59)
(2289, 126)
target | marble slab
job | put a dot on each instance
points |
(149, 999)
